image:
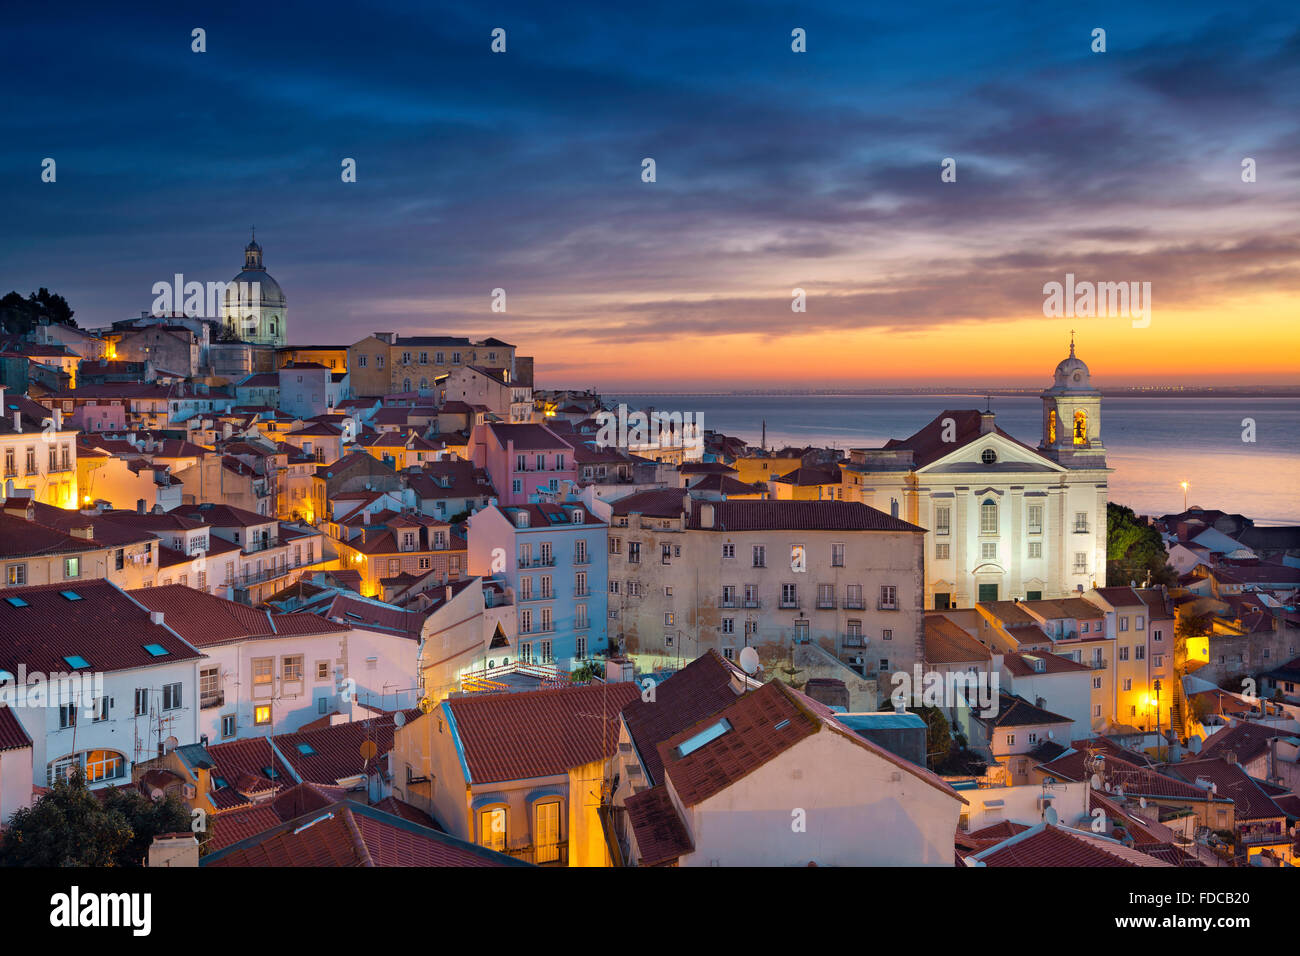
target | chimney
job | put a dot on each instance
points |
(365, 517)
(86, 534)
(174, 849)
(18, 420)
(139, 506)
(447, 593)
(706, 515)
(986, 423)
(156, 617)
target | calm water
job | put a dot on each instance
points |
(1152, 444)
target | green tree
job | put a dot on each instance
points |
(67, 826)
(147, 819)
(18, 316)
(938, 736)
(1134, 550)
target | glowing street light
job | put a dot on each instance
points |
(1184, 496)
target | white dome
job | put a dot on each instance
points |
(1072, 372)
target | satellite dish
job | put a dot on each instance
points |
(1194, 743)
(1050, 815)
(156, 795)
(749, 660)
(426, 704)
(368, 750)
(1096, 781)
(399, 719)
(1051, 735)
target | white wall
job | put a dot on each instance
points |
(861, 810)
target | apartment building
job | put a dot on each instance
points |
(39, 452)
(553, 559)
(522, 461)
(384, 363)
(687, 576)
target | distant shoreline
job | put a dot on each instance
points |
(1132, 392)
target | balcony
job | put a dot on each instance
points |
(1096, 664)
(537, 562)
(581, 592)
(753, 603)
(854, 640)
(826, 604)
(582, 560)
(546, 854)
(726, 603)
(792, 605)
(853, 604)
(887, 606)
(212, 700)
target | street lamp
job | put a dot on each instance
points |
(1184, 496)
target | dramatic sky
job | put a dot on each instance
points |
(775, 170)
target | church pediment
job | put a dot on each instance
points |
(992, 454)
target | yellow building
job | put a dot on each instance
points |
(757, 468)
(809, 484)
(333, 357)
(39, 454)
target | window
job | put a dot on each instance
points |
(941, 551)
(988, 456)
(1080, 562)
(888, 597)
(728, 550)
(492, 829)
(16, 575)
(1123, 624)
(580, 620)
(1096, 683)
(1035, 549)
(1157, 636)
(209, 686)
(1083, 628)
(728, 625)
(751, 595)
(941, 519)
(1081, 427)
(825, 595)
(1128, 683)
(71, 568)
(989, 517)
(1141, 622)
(263, 671)
(292, 668)
(728, 595)
(989, 551)
(544, 651)
(171, 697)
(1035, 519)
(67, 716)
(837, 555)
(1081, 522)
(633, 588)
(525, 621)
(262, 715)
(853, 599)
(141, 701)
(1140, 653)
(1123, 653)
(1011, 740)
(668, 619)
(634, 552)
(789, 595)
(31, 461)
(1158, 661)
(760, 556)
(228, 723)
(615, 545)
(667, 554)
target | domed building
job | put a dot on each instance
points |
(254, 304)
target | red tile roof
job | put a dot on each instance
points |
(350, 834)
(1023, 665)
(520, 736)
(733, 516)
(1231, 781)
(661, 835)
(1053, 845)
(336, 752)
(701, 688)
(105, 627)
(236, 760)
(935, 440)
(528, 437)
(12, 734)
(206, 620)
(947, 643)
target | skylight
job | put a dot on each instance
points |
(713, 732)
(270, 773)
(76, 661)
(156, 650)
(218, 783)
(306, 750)
(16, 602)
(70, 595)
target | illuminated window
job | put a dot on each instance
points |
(492, 826)
(262, 714)
(1051, 427)
(1081, 427)
(989, 517)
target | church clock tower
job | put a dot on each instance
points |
(1072, 417)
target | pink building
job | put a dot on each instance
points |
(98, 418)
(522, 460)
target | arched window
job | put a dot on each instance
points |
(989, 517)
(406, 384)
(1051, 427)
(1081, 427)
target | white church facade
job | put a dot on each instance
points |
(1004, 519)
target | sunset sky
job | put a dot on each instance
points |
(775, 170)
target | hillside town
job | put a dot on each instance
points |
(396, 602)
